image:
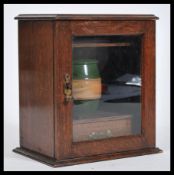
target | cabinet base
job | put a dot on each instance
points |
(88, 159)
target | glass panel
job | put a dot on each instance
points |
(106, 86)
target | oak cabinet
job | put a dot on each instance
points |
(87, 87)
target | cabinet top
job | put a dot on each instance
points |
(118, 17)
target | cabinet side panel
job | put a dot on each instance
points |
(149, 84)
(36, 86)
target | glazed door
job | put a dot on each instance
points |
(107, 64)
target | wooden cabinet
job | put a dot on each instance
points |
(87, 87)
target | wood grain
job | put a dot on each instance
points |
(107, 27)
(63, 111)
(87, 159)
(148, 105)
(36, 86)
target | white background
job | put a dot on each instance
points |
(158, 162)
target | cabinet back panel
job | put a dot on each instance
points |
(36, 86)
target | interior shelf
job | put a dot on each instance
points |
(100, 44)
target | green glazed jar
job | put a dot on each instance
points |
(86, 79)
(85, 69)
(86, 86)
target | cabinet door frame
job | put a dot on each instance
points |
(63, 32)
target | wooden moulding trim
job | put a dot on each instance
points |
(79, 160)
(86, 17)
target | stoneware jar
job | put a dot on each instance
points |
(86, 85)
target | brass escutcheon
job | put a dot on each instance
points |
(67, 88)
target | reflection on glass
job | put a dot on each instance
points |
(106, 87)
